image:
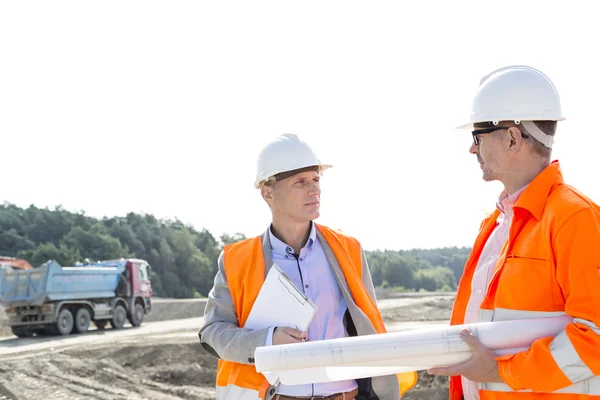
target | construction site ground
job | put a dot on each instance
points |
(162, 359)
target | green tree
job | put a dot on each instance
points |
(95, 244)
(62, 254)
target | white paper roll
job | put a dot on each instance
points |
(389, 353)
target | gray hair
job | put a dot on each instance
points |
(549, 128)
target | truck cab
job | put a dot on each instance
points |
(138, 281)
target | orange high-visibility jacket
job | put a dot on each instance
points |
(245, 270)
(549, 266)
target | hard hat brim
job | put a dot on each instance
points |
(322, 167)
(468, 125)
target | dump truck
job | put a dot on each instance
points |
(58, 300)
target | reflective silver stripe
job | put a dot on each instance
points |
(590, 324)
(568, 360)
(561, 348)
(506, 314)
(231, 392)
(566, 356)
(588, 386)
(486, 315)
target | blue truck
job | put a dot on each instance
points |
(58, 300)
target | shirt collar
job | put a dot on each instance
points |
(283, 248)
(507, 201)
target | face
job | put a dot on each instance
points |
(493, 153)
(296, 198)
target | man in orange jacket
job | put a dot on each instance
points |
(328, 265)
(536, 256)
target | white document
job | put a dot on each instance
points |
(281, 303)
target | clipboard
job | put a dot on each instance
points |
(280, 303)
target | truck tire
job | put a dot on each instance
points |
(21, 331)
(137, 315)
(64, 323)
(118, 320)
(82, 320)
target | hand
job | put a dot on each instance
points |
(284, 335)
(482, 367)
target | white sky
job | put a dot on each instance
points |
(162, 107)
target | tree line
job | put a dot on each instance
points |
(183, 259)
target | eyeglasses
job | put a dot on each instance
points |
(484, 131)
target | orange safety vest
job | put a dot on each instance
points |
(550, 265)
(245, 270)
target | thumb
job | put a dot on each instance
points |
(470, 339)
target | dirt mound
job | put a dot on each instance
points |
(134, 372)
(427, 310)
(176, 364)
(167, 309)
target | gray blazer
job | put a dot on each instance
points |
(221, 335)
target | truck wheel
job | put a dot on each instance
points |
(21, 331)
(119, 318)
(82, 320)
(137, 316)
(64, 324)
(101, 324)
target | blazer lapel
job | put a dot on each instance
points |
(266, 248)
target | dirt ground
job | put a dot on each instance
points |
(167, 364)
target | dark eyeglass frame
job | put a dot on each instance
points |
(484, 131)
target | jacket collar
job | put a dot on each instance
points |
(535, 196)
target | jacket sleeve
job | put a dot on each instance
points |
(220, 334)
(574, 354)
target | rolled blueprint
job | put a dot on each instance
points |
(338, 373)
(388, 353)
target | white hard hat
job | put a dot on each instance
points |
(286, 153)
(516, 93)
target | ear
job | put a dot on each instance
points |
(515, 139)
(267, 194)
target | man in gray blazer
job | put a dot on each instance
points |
(319, 260)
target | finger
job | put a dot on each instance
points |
(299, 336)
(291, 339)
(451, 370)
(284, 338)
(295, 333)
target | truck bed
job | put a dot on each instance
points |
(52, 282)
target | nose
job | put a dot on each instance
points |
(314, 188)
(473, 149)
